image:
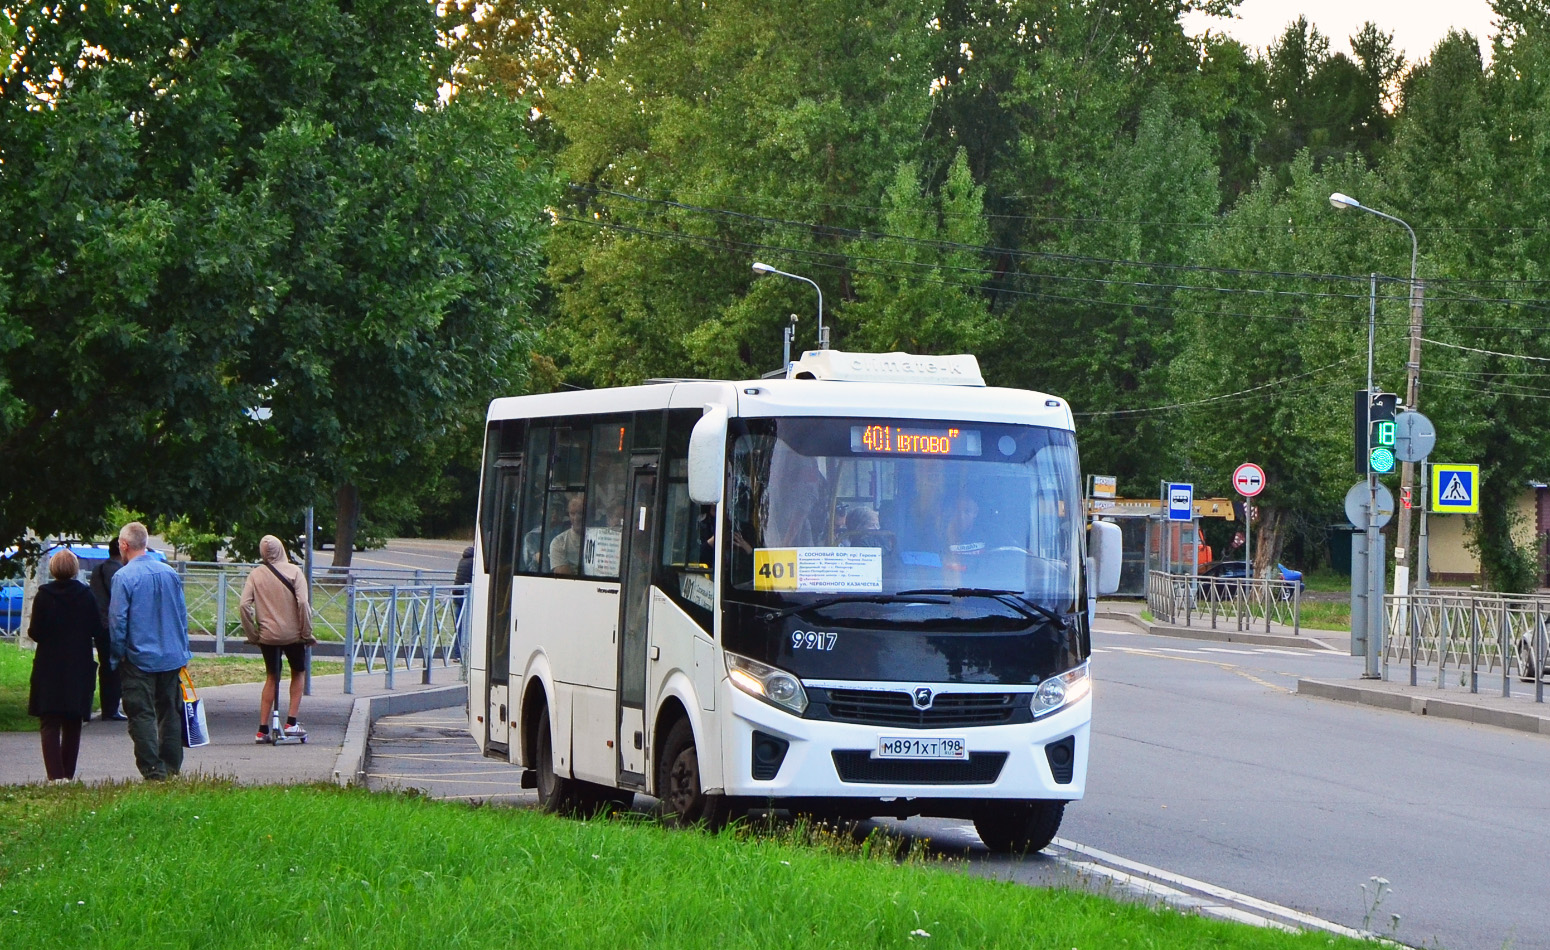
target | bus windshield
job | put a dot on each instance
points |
(872, 507)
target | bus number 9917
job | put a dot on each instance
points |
(812, 640)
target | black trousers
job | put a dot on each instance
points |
(61, 744)
(109, 685)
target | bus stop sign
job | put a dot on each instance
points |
(1181, 501)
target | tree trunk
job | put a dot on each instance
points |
(347, 513)
(1269, 535)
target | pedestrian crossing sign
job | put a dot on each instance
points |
(1455, 489)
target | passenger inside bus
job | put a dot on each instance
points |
(565, 549)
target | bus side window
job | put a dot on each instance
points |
(564, 529)
(605, 500)
(534, 537)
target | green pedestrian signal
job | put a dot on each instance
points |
(1382, 459)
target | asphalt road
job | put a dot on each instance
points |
(1213, 785)
(406, 553)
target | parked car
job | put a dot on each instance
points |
(1229, 570)
(1530, 665)
(89, 553)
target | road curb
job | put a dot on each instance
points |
(350, 766)
(1335, 642)
(1482, 714)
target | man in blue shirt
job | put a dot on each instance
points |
(148, 634)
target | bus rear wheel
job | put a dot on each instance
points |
(1019, 827)
(678, 782)
(555, 792)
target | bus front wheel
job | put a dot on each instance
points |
(678, 782)
(555, 792)
(1019, 827)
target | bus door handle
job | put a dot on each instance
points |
(656, 653)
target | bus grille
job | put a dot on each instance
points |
(881, 708)
(857, 765)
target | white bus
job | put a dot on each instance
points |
(860, 590)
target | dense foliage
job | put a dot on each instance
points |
(206, 206)
(1097, 204)
(248, 262)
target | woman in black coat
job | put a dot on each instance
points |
(64, 622)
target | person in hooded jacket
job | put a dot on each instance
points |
(65, 622)
(277, 617)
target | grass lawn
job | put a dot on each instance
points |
(206, 670)
(209, 864)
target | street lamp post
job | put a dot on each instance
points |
(1412, 397)
(823, 331)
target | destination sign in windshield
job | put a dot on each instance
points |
(893, 440)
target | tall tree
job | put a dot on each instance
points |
(207, 208)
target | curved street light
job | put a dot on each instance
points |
(823, 331)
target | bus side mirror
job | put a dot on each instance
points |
(1105, 546)
(707, 456)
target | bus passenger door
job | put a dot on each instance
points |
(498, 630)
(634, 609)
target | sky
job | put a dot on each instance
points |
(1417, 25)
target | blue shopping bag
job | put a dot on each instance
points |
(195, 731)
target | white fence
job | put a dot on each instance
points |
(1193, 600)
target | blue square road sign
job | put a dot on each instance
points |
(1455, 488)
(1181, 501)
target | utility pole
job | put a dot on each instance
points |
(1402, 556)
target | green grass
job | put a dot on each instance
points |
(206, 670)
(208, 864)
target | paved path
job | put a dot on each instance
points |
(232, 714)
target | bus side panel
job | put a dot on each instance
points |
(575, 622)
(682, 666)
(592, 734)
(476, 686)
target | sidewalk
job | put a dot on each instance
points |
(338, 728)
(1488, 707)
(1128, 612)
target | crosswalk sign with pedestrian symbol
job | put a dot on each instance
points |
(1455, 489)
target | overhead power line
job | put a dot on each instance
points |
(1211, 399)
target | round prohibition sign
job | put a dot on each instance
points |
(1248, 479)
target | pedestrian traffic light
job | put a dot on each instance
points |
(1374, 431)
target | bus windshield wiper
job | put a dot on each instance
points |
(908, 597)
(1012, 598)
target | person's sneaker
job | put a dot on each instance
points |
(295, 732)
(261, 738)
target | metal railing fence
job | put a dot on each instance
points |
(1467, 634)
(405, 624)
(211, 592)
(390, 621)
(1190, 599)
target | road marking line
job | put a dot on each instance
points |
(1226, 650)
(1225, 667)
(1211, 890)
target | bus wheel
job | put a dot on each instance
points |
(1019, 827)
(555, 793)
(678, 782)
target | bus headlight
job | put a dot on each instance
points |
(774, 686)
(1061, 690)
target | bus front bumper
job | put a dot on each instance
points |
(1045, 759)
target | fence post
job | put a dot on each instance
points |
(1444, 637)
(349, 638)
(462, 632)
(392, 651)
(1506, 634)
(430, 626)
(1539, 652)
(1474, 647)
(220, 612)
(1297, 610)
(1414, 637)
